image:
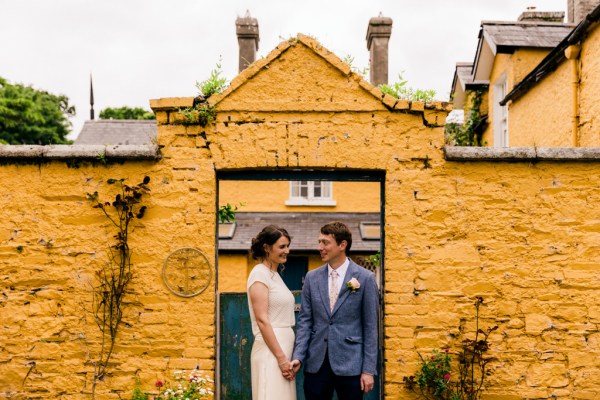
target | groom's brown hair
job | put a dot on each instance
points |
(339, 231)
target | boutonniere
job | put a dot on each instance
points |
(353, 285)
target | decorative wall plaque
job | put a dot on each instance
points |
(187, 272)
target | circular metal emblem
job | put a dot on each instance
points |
(187, 272)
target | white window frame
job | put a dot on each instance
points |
(326, 198)
(500, 113)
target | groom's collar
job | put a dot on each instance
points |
(341, 270)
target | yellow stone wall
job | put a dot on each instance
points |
(543, 116)
(270, 196)
(523, 236)
(516, 66)
(589, 106)
(51, 244)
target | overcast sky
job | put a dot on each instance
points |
(139, 50)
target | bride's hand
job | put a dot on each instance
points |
(286, 370)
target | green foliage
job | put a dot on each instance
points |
(435, 380)
(466, 134)
(401, 91)
(375, 258)
(31, 116)
(138, 393)
(350, 61)
(214, 84)
(196, 386)
(114, 278)
(126, 113)
(227, 212)
(201, 112)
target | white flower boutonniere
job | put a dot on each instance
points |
(353, 285)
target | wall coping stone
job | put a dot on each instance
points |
(462, 153)
(73, 151)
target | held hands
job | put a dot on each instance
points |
(295, 365)
(286, 369)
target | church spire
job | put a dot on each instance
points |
(91, 99)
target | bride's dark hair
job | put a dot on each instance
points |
(269, 235)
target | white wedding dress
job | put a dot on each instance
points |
(267, 381)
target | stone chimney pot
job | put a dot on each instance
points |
(378, 37)
(246, 29)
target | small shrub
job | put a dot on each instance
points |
(434, 380)
(401, 91)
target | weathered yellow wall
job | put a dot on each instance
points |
(516, 66)
(51, 244)
(525, 237)
(589, 106)
(543, 116)
(270, 196)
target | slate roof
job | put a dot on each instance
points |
(508, 35)
(556, 56)
(121, 132)
(302, 227)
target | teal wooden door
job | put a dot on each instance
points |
(236, 341)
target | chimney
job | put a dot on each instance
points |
(578, 9)
(378, 37)
(531, 15)
(247, 34)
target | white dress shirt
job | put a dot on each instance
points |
(341, 270)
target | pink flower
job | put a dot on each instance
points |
(159, 384)
(447, 377)
(353, 285)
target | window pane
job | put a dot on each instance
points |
(317, 189)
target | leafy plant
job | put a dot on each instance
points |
(466, 134)
(138, 393)
(114, 278)
(375, 258)
(227, 213)
(195, 386)
(126, 113)
(434, 378)
(201, 112)
(350, 61)
(401, 91)
(214, 84)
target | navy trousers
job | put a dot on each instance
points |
(320, 386)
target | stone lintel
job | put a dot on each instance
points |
(459, 153)
(73, 152)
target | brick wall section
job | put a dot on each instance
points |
(524, 235)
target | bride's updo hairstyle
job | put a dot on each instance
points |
(269, 235)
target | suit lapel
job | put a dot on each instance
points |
(345, 292)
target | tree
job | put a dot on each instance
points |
(31, 116)
(126, 113)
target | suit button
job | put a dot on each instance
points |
(330, 322)
(325, 339)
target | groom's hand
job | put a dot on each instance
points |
(366, 382)
(295, 365)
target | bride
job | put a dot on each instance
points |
(272, 314)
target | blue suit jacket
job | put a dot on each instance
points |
(348, 334)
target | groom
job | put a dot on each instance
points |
(336, 331)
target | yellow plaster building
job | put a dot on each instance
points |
(524, 236)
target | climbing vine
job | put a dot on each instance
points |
(467, 135)
(112, 281)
